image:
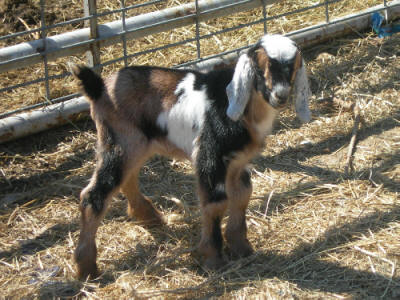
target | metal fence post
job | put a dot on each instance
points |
(93, 55)
(197, 30)
(124, 33)
(327, 11)
(43, 32)
(265, 16)
(385, 11)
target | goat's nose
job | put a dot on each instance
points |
(281, 94)
(281, 100)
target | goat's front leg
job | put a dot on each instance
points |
(94, 202)
(239, 190)
(213, 201)
(211, 242)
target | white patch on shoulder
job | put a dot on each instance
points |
(185, 119)
(279, 47)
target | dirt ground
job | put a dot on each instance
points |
(319, 232)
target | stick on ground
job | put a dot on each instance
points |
(351, 150)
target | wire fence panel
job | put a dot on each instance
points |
(40, 37)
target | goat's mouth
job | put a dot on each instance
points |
(278, 102)
(279, 96)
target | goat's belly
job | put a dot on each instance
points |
(182, 130)
(183, 137)
(184, 120)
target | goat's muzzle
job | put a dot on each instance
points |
(279, 96)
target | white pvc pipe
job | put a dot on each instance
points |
(42, 119)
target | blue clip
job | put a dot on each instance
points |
(377, 20)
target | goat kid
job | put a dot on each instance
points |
(218, 120)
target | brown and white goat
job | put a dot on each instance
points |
(218, 120)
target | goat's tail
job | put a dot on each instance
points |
(93, 84)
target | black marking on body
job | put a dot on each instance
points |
(150, 129)
(108, 174)
(245, 178)
(179, 94)
(220, 137)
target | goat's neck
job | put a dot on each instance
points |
(260, 116)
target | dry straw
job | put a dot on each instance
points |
(319, 232)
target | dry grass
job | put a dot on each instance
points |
(318, 233)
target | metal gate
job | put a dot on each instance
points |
(37, 67)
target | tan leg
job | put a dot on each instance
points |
(95, 199)
(211, 242)
(139, 206)
(239, 190)
(210, 246)
(86, 251)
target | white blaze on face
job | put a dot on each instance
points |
(185, 119)
(282, 48)
(279, 47)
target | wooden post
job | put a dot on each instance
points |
(93, 55)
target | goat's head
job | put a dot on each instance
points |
(275, 68)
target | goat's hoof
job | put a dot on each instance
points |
(214, 263)
(242, 249)
(152, 221)
(149, 217)
(155, 222)
(86, 264)
(88, 273)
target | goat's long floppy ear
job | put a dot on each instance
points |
(302, 92)
(239, 89)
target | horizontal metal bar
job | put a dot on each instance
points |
(37, 80)
(347, 24)
(261, 20)
(38, 105)
(237, 50)
(201, 37)
(77, 41)
(174, 45)
(77, 20)
(322, 25)
(335, 21)
(21, 125)
(102, 14)
(344, 22)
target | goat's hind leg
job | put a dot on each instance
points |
(95, 199)
(139, 206)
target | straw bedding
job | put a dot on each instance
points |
(319, 232)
